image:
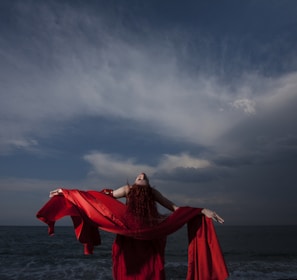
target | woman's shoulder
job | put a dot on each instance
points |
(127, 188)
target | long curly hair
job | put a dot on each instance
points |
(141, 204)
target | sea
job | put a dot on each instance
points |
(251, 253)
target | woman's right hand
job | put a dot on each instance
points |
(55, 192)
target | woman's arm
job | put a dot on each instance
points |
(118, 193)
(164, 201)
(121, 192)
(172, 207)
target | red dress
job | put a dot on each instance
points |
(93, 210)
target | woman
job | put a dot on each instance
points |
(142, 257)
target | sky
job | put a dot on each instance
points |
(200, 95)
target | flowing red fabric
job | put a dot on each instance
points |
(138, 253)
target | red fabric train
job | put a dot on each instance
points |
(92, 210)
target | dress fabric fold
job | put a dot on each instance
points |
(137, 253)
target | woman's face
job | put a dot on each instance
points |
(141, 180)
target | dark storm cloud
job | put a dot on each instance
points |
(201, 96)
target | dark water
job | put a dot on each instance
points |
(251, 252)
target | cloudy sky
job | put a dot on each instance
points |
(200, 95)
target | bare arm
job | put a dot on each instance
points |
(118, 193)
(121, 192)
(172, 207)
(164, 201)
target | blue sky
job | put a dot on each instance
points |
(200, 95)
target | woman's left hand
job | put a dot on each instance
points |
(213, 215)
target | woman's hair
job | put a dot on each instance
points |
(141, 204)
